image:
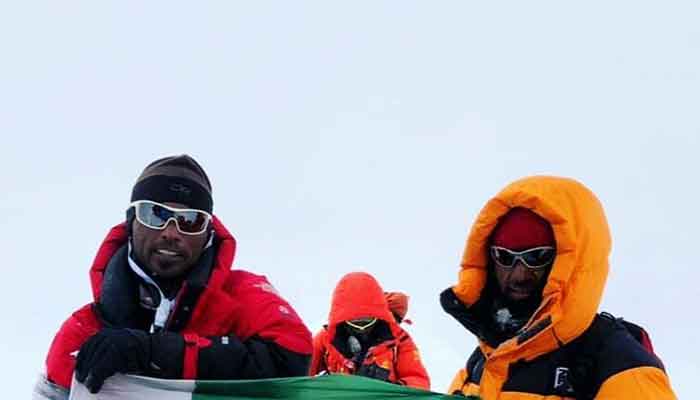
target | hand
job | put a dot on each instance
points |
(112, 351)
(374, 371)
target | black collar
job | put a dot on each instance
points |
(120, 302)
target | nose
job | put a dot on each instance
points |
(520, 272)
(170, 231)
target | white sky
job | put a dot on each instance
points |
(344, 136)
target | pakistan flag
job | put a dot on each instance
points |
(328, 387)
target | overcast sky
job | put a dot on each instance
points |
(360, 135)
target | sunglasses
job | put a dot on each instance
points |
(157, 216)
(534, 258)
(361, 324)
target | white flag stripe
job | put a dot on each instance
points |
(130, 387)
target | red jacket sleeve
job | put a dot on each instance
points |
(317, 359)
(409, 367)
(262, 312)
(60, 361)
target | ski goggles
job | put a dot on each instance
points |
(361, 324)
(534, 258)
(157, 216)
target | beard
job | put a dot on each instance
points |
(509, 316)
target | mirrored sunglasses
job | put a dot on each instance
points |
(534, 258)
(157, 216)
(361, 324)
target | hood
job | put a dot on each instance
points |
(118, 237)
(574, 287)
(358, 295)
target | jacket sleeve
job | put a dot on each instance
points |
(458, 382)
(319, 349)
(624, 369)
(267, 338)
(61, 358)
(409, 367)
(227, 357)
(189, 356)
(641, 383)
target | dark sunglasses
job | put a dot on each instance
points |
(157, 216)
(534, 258)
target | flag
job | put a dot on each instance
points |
(327, 387)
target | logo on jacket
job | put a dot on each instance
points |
(562, 384)
(267, 287)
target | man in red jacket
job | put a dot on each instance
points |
(167, 303)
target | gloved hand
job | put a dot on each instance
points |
(129, 351)
(374, 371)
(111, 351)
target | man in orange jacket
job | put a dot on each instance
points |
(364, 338)
(532, 276)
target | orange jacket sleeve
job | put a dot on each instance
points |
(458, 382)
(641, 383)
(319, 349)
(409, 367)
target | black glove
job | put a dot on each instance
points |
(374, 371)
(112, 351)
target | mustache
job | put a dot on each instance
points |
(524, 286)
(168, 245)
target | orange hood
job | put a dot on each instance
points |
(575, 284)
(358, 295)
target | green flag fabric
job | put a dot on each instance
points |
(327, 387)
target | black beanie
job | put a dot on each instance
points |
(176, 179)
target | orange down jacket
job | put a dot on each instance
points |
(567, 315)
(359, 295)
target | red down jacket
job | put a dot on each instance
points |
(357, 295)
(230, 303)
